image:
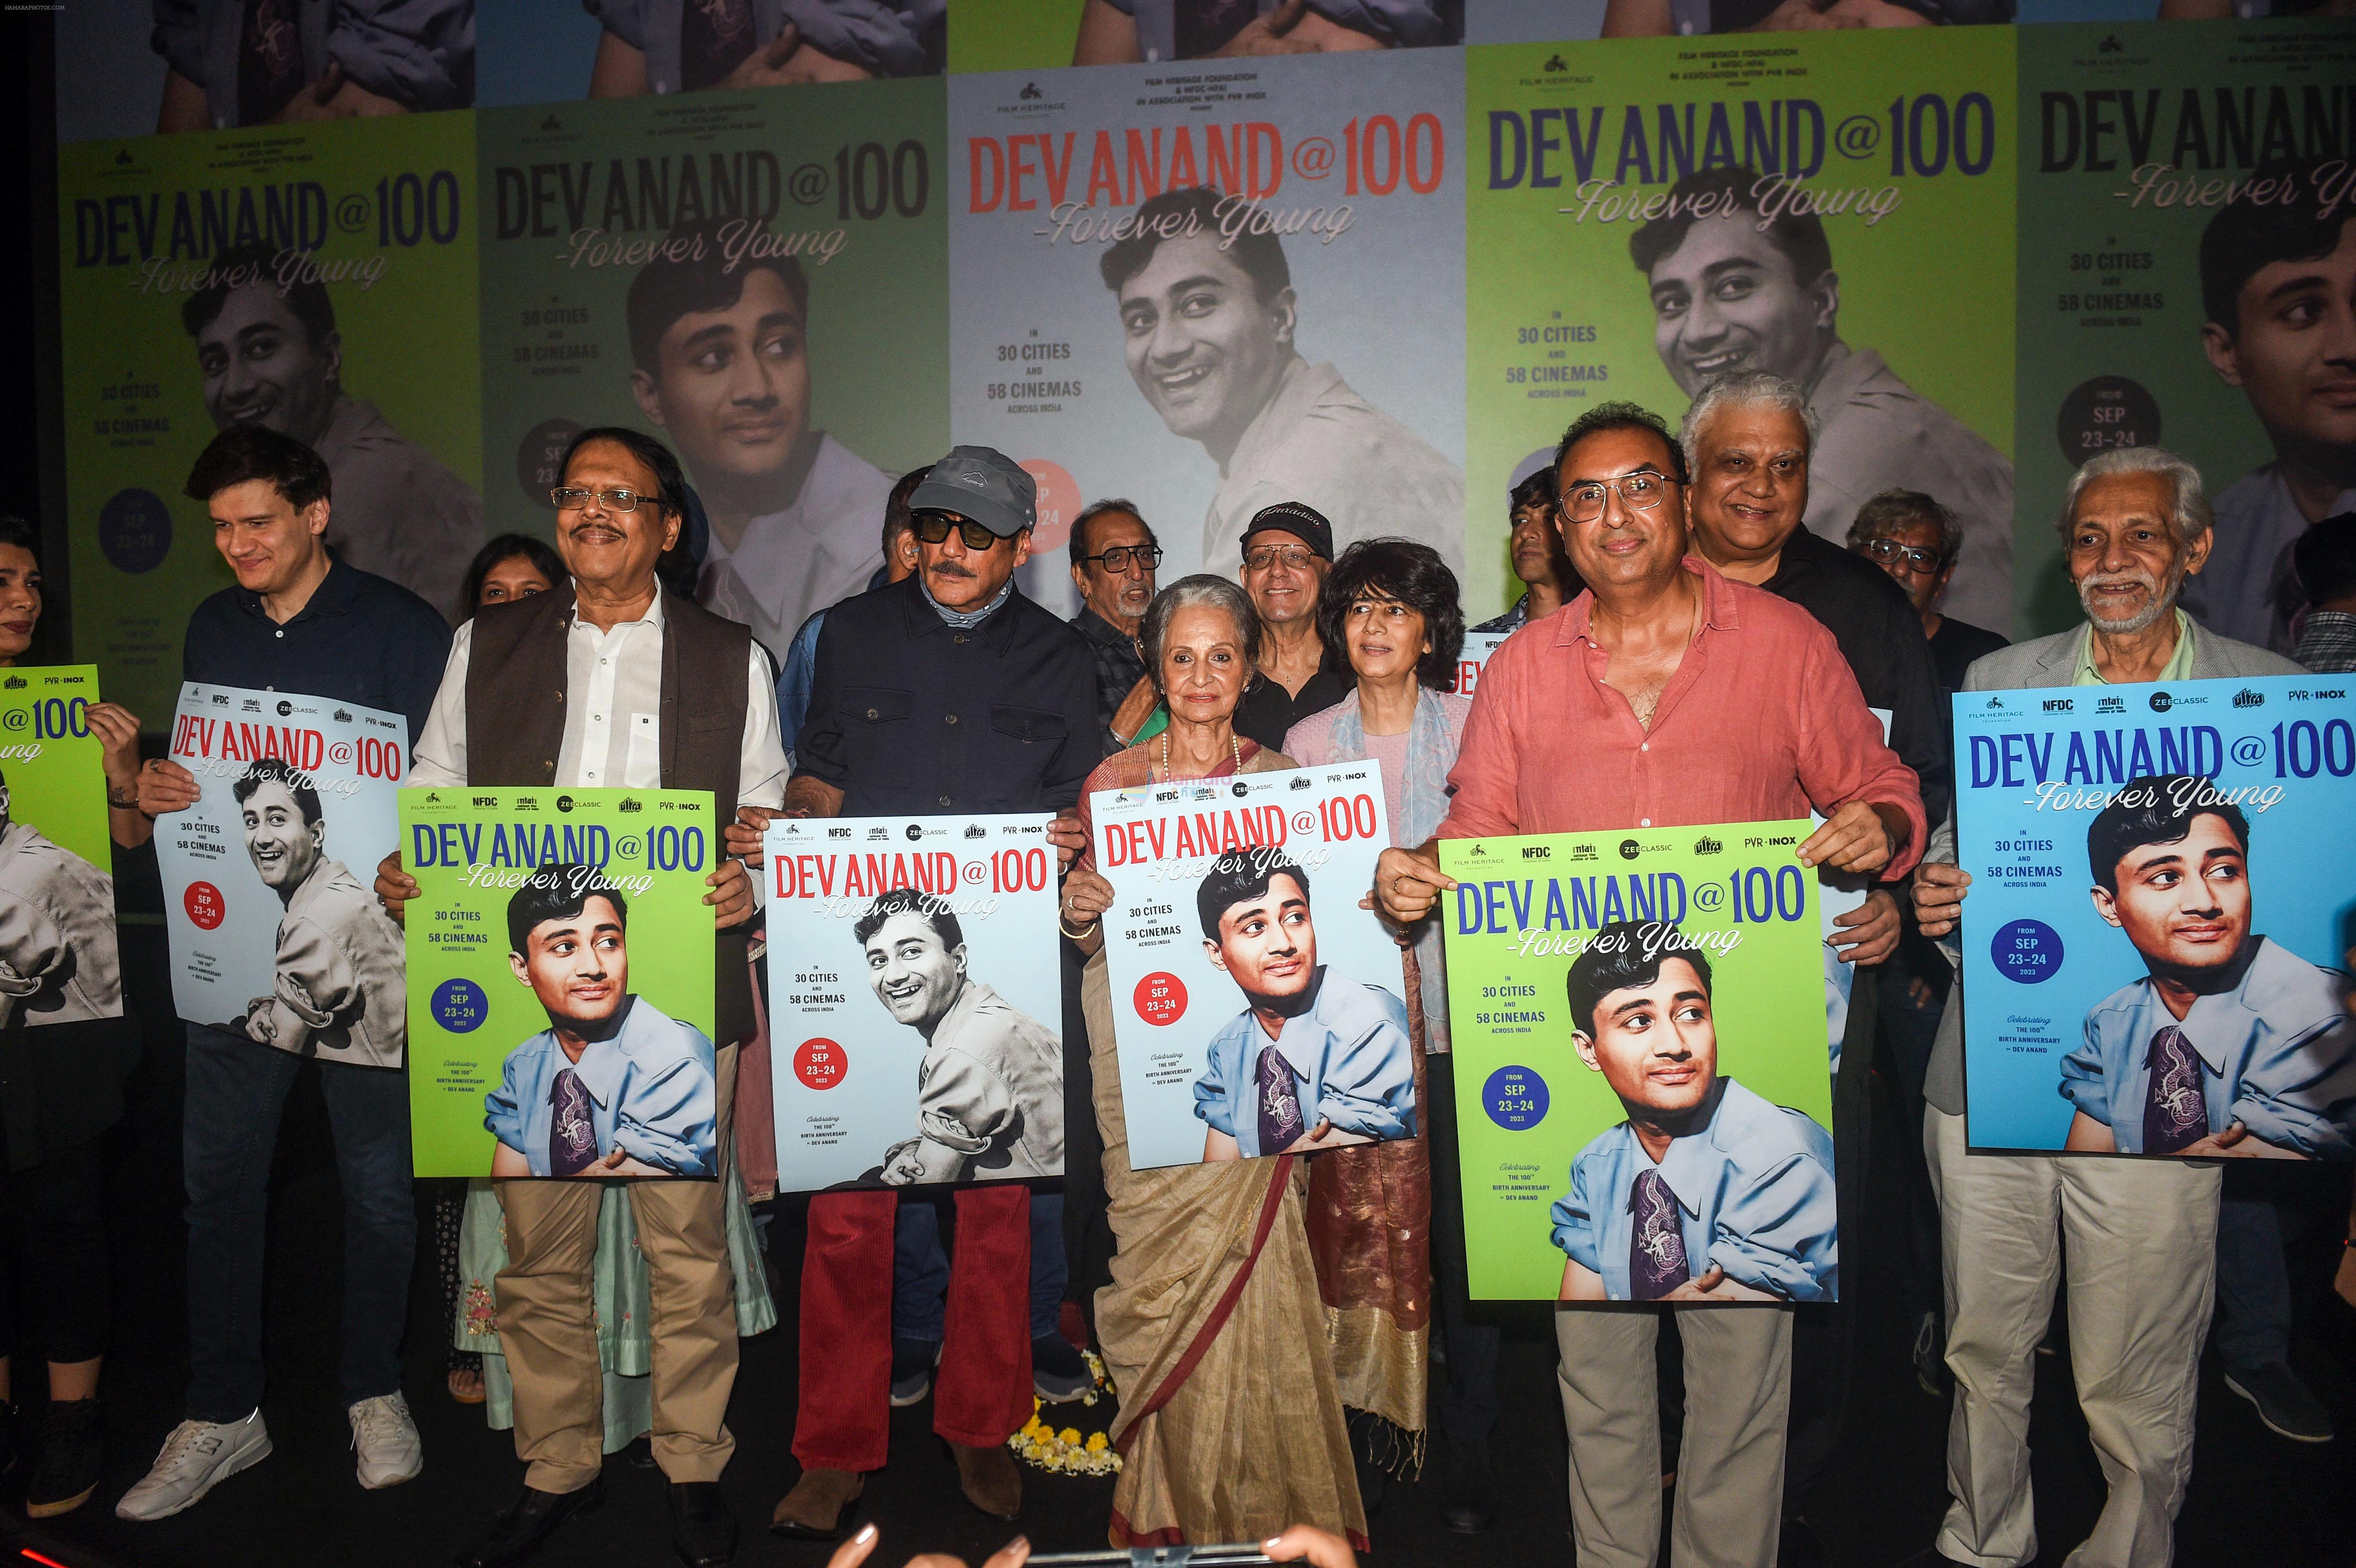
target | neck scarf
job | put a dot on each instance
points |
(1423, 805)
(963, 620)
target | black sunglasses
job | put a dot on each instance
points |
(932, 528)
(1116, 561)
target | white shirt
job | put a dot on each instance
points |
(613, 715)
(822, 547)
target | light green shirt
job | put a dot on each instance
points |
(2178, 666)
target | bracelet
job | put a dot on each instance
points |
(131, 805)
(1080, 935)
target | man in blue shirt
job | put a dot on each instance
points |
(298, 620)
(2231, 1044)
(612, 1086)
(1706, 1192)
(1313, 1060)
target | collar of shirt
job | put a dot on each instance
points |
(1513, 620)
(1690, 1167)
(1718, 612)
(653, 618)
(1302, 1042)
(963, 619)
(332, 597)
(2179, 666)
(602, 1060)
(925, 618)
(1101, 632)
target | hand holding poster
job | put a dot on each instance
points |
(1259, 1007)
(274, 934)
(561, 955)
(949, 923)
(58, 958)
(2151, 939)
(1640, 1060)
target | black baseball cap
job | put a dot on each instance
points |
(1303, 522)
(983, 484)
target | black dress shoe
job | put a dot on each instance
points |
(702, 1531)
(1468, 1498)
(524, 1525)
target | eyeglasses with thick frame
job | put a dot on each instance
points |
(934, 528)
(573, 497)
(1917, 558)
(1116, 561)
(1583, 501)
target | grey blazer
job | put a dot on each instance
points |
(2053, 661)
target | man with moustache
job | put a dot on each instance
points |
(1114, 555)
(298, 620)
(1613, 715)
(1916, 541)
(271, 357)
(1749, 440)
(611, 679)
(1209, 324)
(1314, 1060)
(1733, 290)
(989, 1089)
(719, 358)
(613, 1087)
(2139, 1237)
(340, 975)
(2278, 285)
(1288, 551)
(949, 692)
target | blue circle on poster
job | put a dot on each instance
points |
(2027, 952)
(1515, 1098)
(134, 530)
(460, 1007)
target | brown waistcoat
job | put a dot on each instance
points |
(515, 725)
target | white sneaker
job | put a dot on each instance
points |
(197, 1455)
(386, 1440)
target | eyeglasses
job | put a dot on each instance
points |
(933, 528)
(1273, 556)
(1639, 492)
(1116, 561)
(572, 499)
(1889, 552)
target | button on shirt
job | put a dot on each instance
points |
(360, 638)
(613, 715)
(909, 714)
(1550, 748)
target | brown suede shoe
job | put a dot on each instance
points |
(991, 1480)
(818, 1506)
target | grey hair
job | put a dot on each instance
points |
(1094, 509)
(2189, 514)
(1743, 389)
(1218, 592)
(1891, 511)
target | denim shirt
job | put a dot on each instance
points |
(2277, 1055)
(1350, 1058)
(1754, 1191)
(651, 1091)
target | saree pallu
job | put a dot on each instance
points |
(1230, 1426)
(1370, 1233)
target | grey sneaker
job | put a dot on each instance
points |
(2282, 1402)
(197, 1455)
(386, 1440)
(913, 1361)
(1058, 1374)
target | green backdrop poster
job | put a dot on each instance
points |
(1642, 215)
(1531, 1111)
(57, 957)
(758, 278)
(608, 886)
(2153, 155)
(319, 281)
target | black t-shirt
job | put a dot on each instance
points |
(1953, 647)
(1267, 711)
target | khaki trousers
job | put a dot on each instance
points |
(1729, 1508)
(551, 1343)
(2140, 1236)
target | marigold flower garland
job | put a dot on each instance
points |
(1067, 1452)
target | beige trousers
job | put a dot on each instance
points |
(2140, 1236)
(550, 1344)
(1730, 1509)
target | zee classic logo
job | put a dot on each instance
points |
(285, 708)
(1630, 848)
(563, 803)
(2161, 703)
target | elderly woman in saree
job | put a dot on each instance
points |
(1231, 1427)
(1391, 604)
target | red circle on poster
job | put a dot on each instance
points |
(205, 906)
(819, 1063)
(1058, 502)
(1161, 999)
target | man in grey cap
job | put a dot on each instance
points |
(948, 692)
